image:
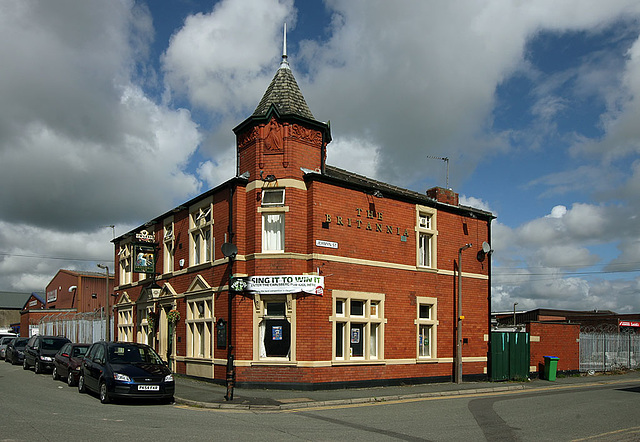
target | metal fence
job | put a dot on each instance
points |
(601, 351)
(85, 328)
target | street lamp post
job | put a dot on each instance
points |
(106, 307)
(458, 377)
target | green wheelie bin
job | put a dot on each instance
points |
(550, 367)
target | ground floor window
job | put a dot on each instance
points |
(426, 326)
(358, 325)
(146, 324)
(200, 326)
(275, 331)
(125, 325)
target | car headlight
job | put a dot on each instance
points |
(168, 378)
(121, 377)
(46, 358)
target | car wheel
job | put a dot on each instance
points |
(104, 394)
(25, 366)
(70, 379)
(37, 368)
(54, 374)
(81, 387)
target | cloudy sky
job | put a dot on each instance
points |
(112, 112)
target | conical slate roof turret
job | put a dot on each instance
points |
(283, 92)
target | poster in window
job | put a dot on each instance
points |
(276, 333)
(355, 335)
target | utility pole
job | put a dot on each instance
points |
(106, 306)
(458, 377)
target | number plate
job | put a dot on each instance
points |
(148, 388)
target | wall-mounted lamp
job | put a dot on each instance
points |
(269, 178)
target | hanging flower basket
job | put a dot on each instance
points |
(173, 316)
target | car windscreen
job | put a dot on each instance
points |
(53, 344)
(20, 342)
(132, 354)
(79, 351)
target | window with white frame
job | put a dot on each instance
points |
(427, 326)
(125, 324)
(200, 327)
(168, 243)
(272, 232)
(275, 331)
(273, 211)
(358, 320)
(272, 197)
(125, 264)
(426, 235)
(145, 324)
(201, 239)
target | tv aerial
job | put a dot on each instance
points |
(446, 160)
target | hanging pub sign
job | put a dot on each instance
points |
(281, 284)
(144, 258)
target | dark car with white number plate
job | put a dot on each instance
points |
(40, 350)
(125, 370)
(66, 363)
(15, 351)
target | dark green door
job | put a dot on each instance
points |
(509, 356)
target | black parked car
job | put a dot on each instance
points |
(40, 350)
(15, 351)
(66, 363)
(125, 370)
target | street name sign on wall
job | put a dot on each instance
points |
(328, 244)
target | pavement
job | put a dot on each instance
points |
(205, 394)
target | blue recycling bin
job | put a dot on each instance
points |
(550, 367)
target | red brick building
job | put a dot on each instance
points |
(69, 292)
(337, 279)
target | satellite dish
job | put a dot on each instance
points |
(229, 250)
(486, 248)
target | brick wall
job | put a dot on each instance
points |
(377, 253)
(555, 339)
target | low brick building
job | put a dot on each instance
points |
(301, 274)
(69, 292)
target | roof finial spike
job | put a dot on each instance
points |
(284, 63)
